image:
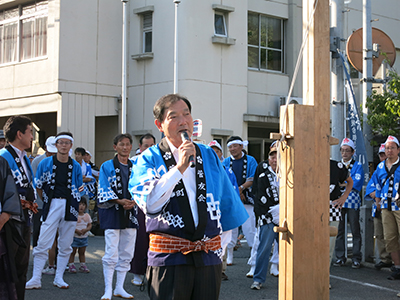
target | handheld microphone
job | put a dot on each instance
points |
(185, 137)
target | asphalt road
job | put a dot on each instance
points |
(347, 283)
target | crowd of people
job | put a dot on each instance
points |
(172, 213)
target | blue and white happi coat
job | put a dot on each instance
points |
(43, 180)
(224, 208)
(383, 186)
(90, 186)
(110, 213)
(248, 169)
(232, 179)
(16, 172)
(357, 174)
(371, 187)
(26, 192)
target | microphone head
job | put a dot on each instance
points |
(185, 135)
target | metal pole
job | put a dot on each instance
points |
(337, 85)
(176, 47)
(124, 64)
(367, 73)
(366, 222)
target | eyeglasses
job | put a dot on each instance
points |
(391, 148)
(64, 143)
(346, 150)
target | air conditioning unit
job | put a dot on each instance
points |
(293, 100)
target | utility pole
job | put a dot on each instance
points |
(338, 106)
(365, 212)
(367, 72)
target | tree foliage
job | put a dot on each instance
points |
(384, 108)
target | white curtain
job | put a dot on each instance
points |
(32, 23)
(27, 38)
(10, 42)
(41, 36)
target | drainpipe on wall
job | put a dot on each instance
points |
(124, 64)
(176, 47)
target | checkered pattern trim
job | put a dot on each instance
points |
(264, 220)
(374, 210)
(334, 213)
(385, 205)
(393, 188)
(353, 201)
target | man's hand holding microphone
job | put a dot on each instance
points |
(187, 152)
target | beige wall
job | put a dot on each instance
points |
(77, 114)
(90, 47)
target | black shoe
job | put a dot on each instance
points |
(395, 274)
(339, 263)
(381, 265)
(356, 265)
(224, 276)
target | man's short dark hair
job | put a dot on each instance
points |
(15, 124)
(64, 133)
(80, 150)
(122, 136)
(147, 136)
(234, 138)
(166, 101)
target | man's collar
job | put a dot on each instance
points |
(238, 158)
(346, 163)
(397, 160)
(270, 168)
(119, 160)
(171, 146)
(19, 152)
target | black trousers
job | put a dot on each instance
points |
(184, 282)
(36, 228)
(21, 258)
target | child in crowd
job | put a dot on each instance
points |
(80, 242)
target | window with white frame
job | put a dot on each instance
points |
(265, 42)
(147, 32)
(220, 24)
(23, 32)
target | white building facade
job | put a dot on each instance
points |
(60, 64)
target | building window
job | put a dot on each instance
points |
(265, 42)
(219, 24)
(23, 32)
(147, 32)
(145, 19)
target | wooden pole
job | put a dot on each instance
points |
(304, 191)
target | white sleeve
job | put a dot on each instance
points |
(162, 191)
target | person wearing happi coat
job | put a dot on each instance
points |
(118, 216)
(186, 207)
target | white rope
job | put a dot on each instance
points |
(296, 70)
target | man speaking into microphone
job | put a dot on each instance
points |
(186, 207)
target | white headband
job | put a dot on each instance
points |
(244, 143)
(64, 136)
